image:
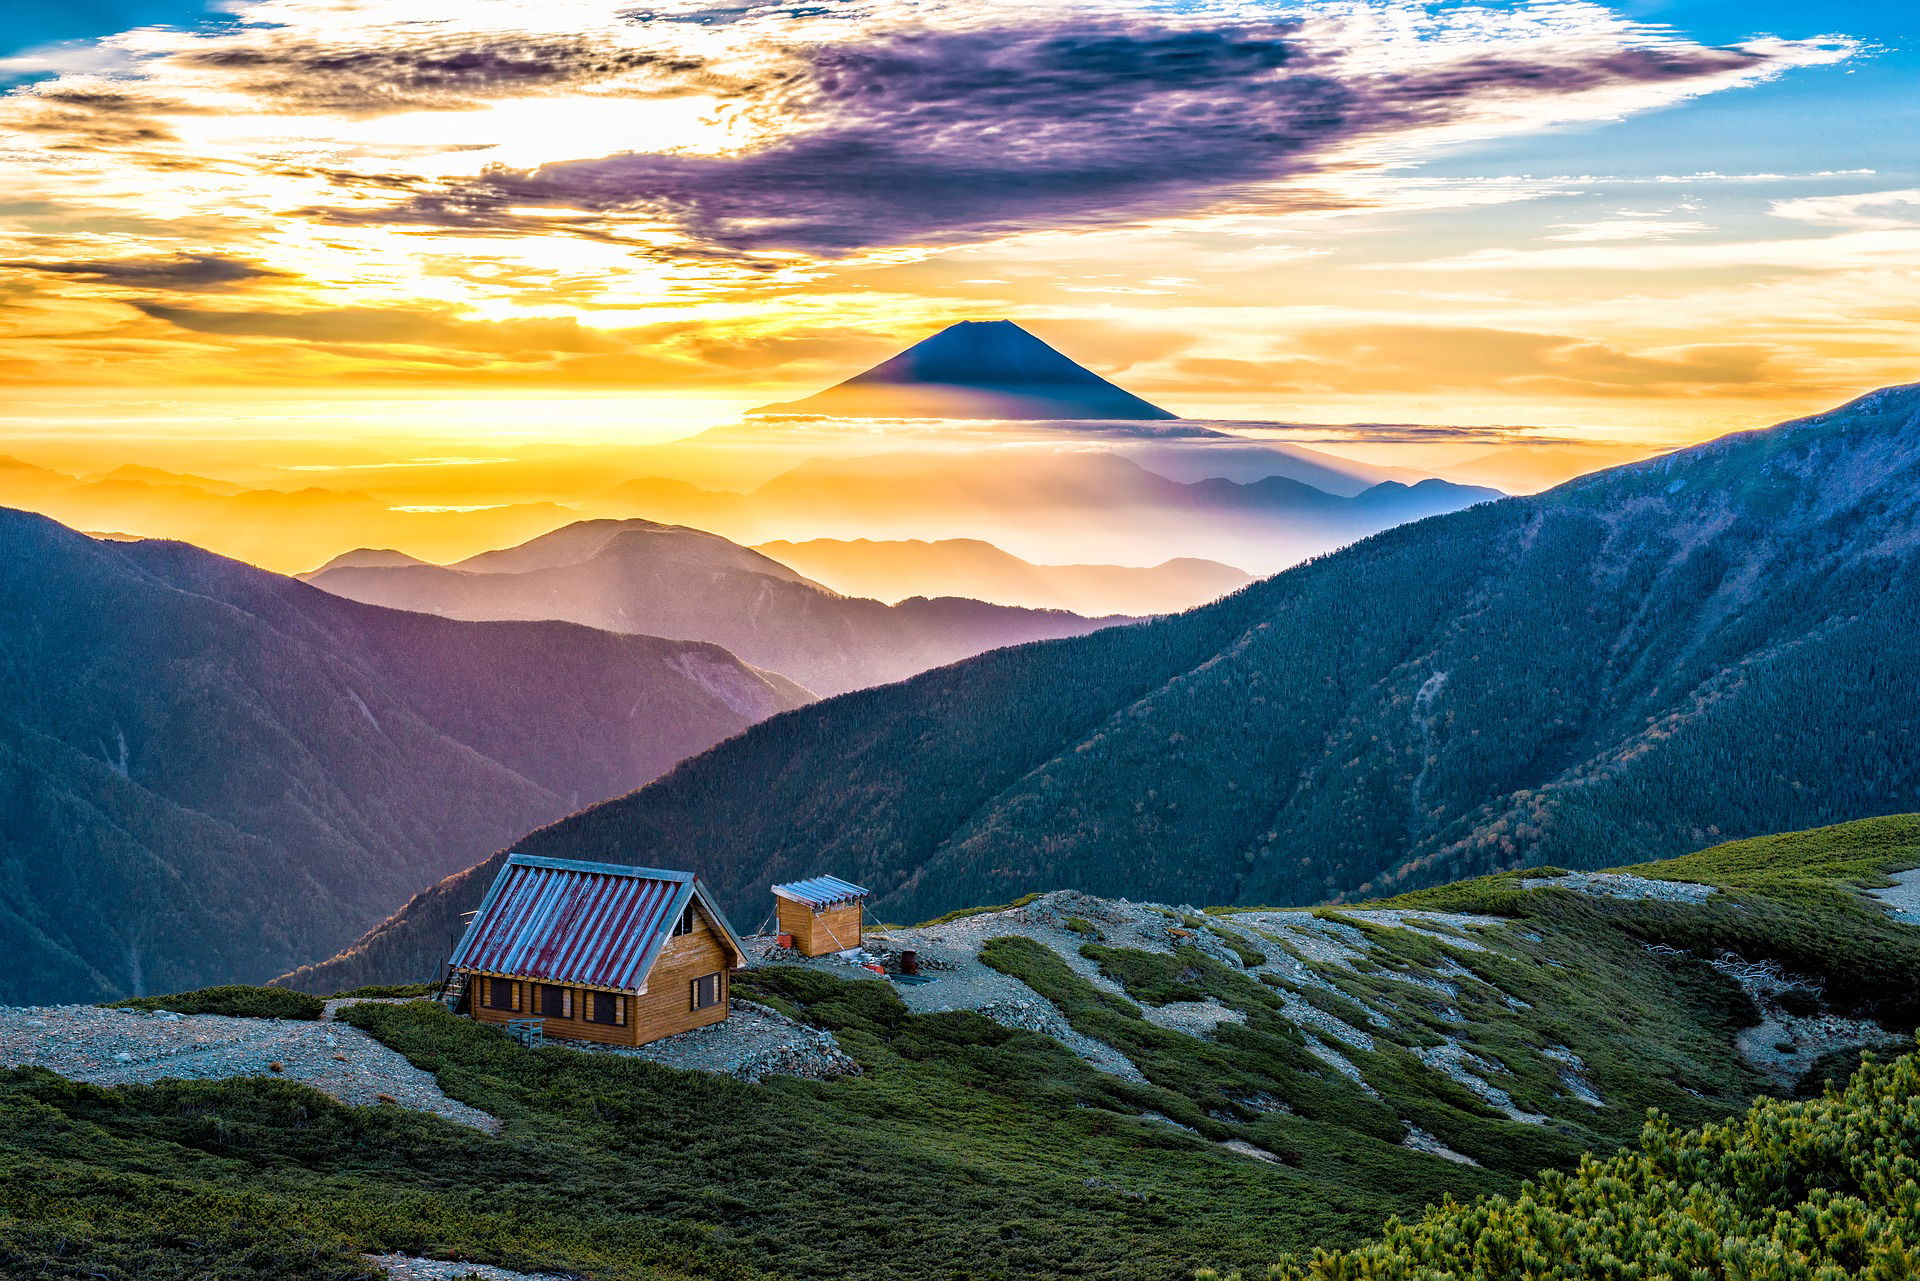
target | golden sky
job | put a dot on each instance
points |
(397, 218)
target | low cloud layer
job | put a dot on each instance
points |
(1428, 358)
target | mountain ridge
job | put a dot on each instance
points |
(642, 576)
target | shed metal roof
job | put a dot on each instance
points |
(594, 924)
(820, 891)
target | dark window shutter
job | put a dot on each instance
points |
(706, 991)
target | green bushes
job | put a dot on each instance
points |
(1820, 1190)
(380, 991)
(235, 1000)
(1239, 945)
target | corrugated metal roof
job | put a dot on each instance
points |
(595, 924)
(820, 891)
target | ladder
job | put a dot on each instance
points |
(453, 988)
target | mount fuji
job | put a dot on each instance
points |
(977, 369)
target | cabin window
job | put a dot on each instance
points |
(500, 994)
(553, 1002)
(706, 992)
(685, 924)
(606, 1007)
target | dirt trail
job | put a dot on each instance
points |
(136, 1047)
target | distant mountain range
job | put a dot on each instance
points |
(976, 369)
(1710, 643)
(272, 527)
(1084, 503)
(209, 772)
(970, 567)
(667, 580)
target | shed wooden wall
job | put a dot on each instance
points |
(665, 1008)
(816, 933)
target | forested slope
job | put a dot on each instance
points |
(1622, 668)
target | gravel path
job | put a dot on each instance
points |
(1902, 897)
(135, 1047)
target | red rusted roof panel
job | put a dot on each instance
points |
(590, 923)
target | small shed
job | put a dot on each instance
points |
(822, 913)
(598, 951)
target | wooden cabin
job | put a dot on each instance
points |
(822, 914)
(598, 951)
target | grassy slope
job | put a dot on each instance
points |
(965, 1150)
(1797, 897)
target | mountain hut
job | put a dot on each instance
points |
(597, 951)
(822, 914)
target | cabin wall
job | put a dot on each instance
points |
(576, 1028)
(816, 933)
(666, 1007)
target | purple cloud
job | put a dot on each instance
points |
(943, 136)
(450, 72)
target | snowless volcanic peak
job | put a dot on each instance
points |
(976, 369)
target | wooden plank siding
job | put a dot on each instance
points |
(833, 929)
(666, 1007)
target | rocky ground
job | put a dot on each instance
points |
(408, 1267)
(1792, 1034)
(1902, 897)
(754, 1042)
(956, 979)
(135, 1047)
(1621, 885)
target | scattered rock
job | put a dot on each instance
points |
(1571, 1067)
(1421, 1141)
(1793, 1030)
(409, 1267)
(754, 1043)
(1622, 885)
(1902, 898)
(1470, 1070)
(1253, 1150)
